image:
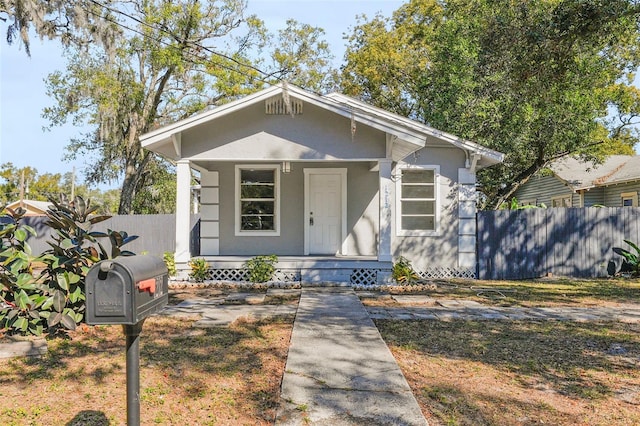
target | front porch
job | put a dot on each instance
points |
(316, 180)
(354, 270)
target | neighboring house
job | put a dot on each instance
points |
(574, 183)
(33, 208)
(334, 187)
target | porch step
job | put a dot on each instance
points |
(317, 276)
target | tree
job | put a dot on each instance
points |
(27, 182)
(11, 176)
(105, 200)
(47, 186)
(71, 21)
(164, 68)
(535, 79)
(302, 57)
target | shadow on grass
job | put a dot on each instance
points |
(62, 352)
(89, 418)
(565, 355)
(185, 358)
(456, 407)
(238, 351)
(451, 405)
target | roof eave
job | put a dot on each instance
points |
(403, 128)
(492, 157)
(618, 182)
(163, 134)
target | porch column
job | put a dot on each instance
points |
(384, 238)
(183, 203)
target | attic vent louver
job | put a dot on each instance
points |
(277, 106)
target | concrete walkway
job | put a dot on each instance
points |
(339, 370)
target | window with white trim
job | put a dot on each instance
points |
(417, 200)
(629, 199)
(563, 201)
(257, 200)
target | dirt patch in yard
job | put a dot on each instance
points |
(181, 294)
(188, 376)
(273, 296)
(520, 373)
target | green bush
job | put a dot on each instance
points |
(633, 259)
(20, 298)
(261, 268)
(170, 261)
(199, 269)
(55, 299)
(403, 272)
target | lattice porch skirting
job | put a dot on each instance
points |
(239, 275)
(358, 277)
(443, 272)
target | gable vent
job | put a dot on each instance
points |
(277, 106)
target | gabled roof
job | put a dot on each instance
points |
(408, 135)
(630, 171)
(447, 138)
(33, 207)
(579, 174)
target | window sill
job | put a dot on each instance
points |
(402, 233)
(257, 233)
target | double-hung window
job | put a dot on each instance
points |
(629, 199)
(417, 200)
(561, 201)
(257, 200)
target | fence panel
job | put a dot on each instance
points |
(576, 242)
(156, 233)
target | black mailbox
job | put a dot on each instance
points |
(126, 290)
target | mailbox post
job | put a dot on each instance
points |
(132, 333)
(126, 290)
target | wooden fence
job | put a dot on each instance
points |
(156, 233)
(516, 244)
(575, 242)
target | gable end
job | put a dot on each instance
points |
(278, 105)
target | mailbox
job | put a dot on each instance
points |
(126, 290)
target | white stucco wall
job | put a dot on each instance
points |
(441, 250)
(362, 212)
(249, 134)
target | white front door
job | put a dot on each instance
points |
(325, 210)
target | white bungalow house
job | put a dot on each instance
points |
(334, 187)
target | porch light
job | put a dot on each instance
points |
(286, 167)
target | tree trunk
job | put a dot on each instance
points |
(133, 176)
(127, 192)
(519, 180)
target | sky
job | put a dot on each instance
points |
(23, 141)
